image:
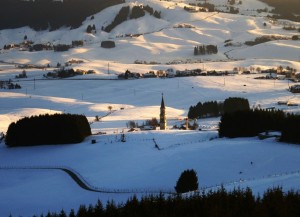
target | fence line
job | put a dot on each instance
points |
(83, 183)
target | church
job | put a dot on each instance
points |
(163, 119)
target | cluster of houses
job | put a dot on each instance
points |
(67, 72)
(280, 73)
(27, 45)
(171, 73)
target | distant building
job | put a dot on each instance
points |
(170, 73)
(163, 119)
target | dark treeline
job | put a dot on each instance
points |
(252, 122)
(237, 203)
(48, 129)
(215, 109)
(49, 14)
(205, 49)
(136, 12)
(291, 129)
(120, 17)
(286, 8)
(206, 109)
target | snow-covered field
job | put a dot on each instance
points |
(136, 163)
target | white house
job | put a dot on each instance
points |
(170, 73)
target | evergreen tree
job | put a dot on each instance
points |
(89, 29)
(157, 14)
(62, 214)
(72, 213)
(99, 210)
(82, 211)
(188, 181)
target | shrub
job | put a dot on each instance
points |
(295, 37)
(48, 129)
(188, 181)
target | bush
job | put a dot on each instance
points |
(188, 181)
(295, 37)
(48, 129)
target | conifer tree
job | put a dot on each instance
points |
(188, 181)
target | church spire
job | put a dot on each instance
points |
(163, 119)
(162, 105)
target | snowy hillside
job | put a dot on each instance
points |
(136, 165)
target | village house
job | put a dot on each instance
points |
(170, 73)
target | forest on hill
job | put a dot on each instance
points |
(286, 8)
(49, 14)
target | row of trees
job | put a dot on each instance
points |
(9, 85)
(214, 108)
(91, 29)
(136, 12)
(220, 203)
(252, 122)
(120, 17)
(206, 109)
(48, 129)
(205, 49)
(49, 14)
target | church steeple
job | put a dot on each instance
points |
(162, 105)
(163, 119)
